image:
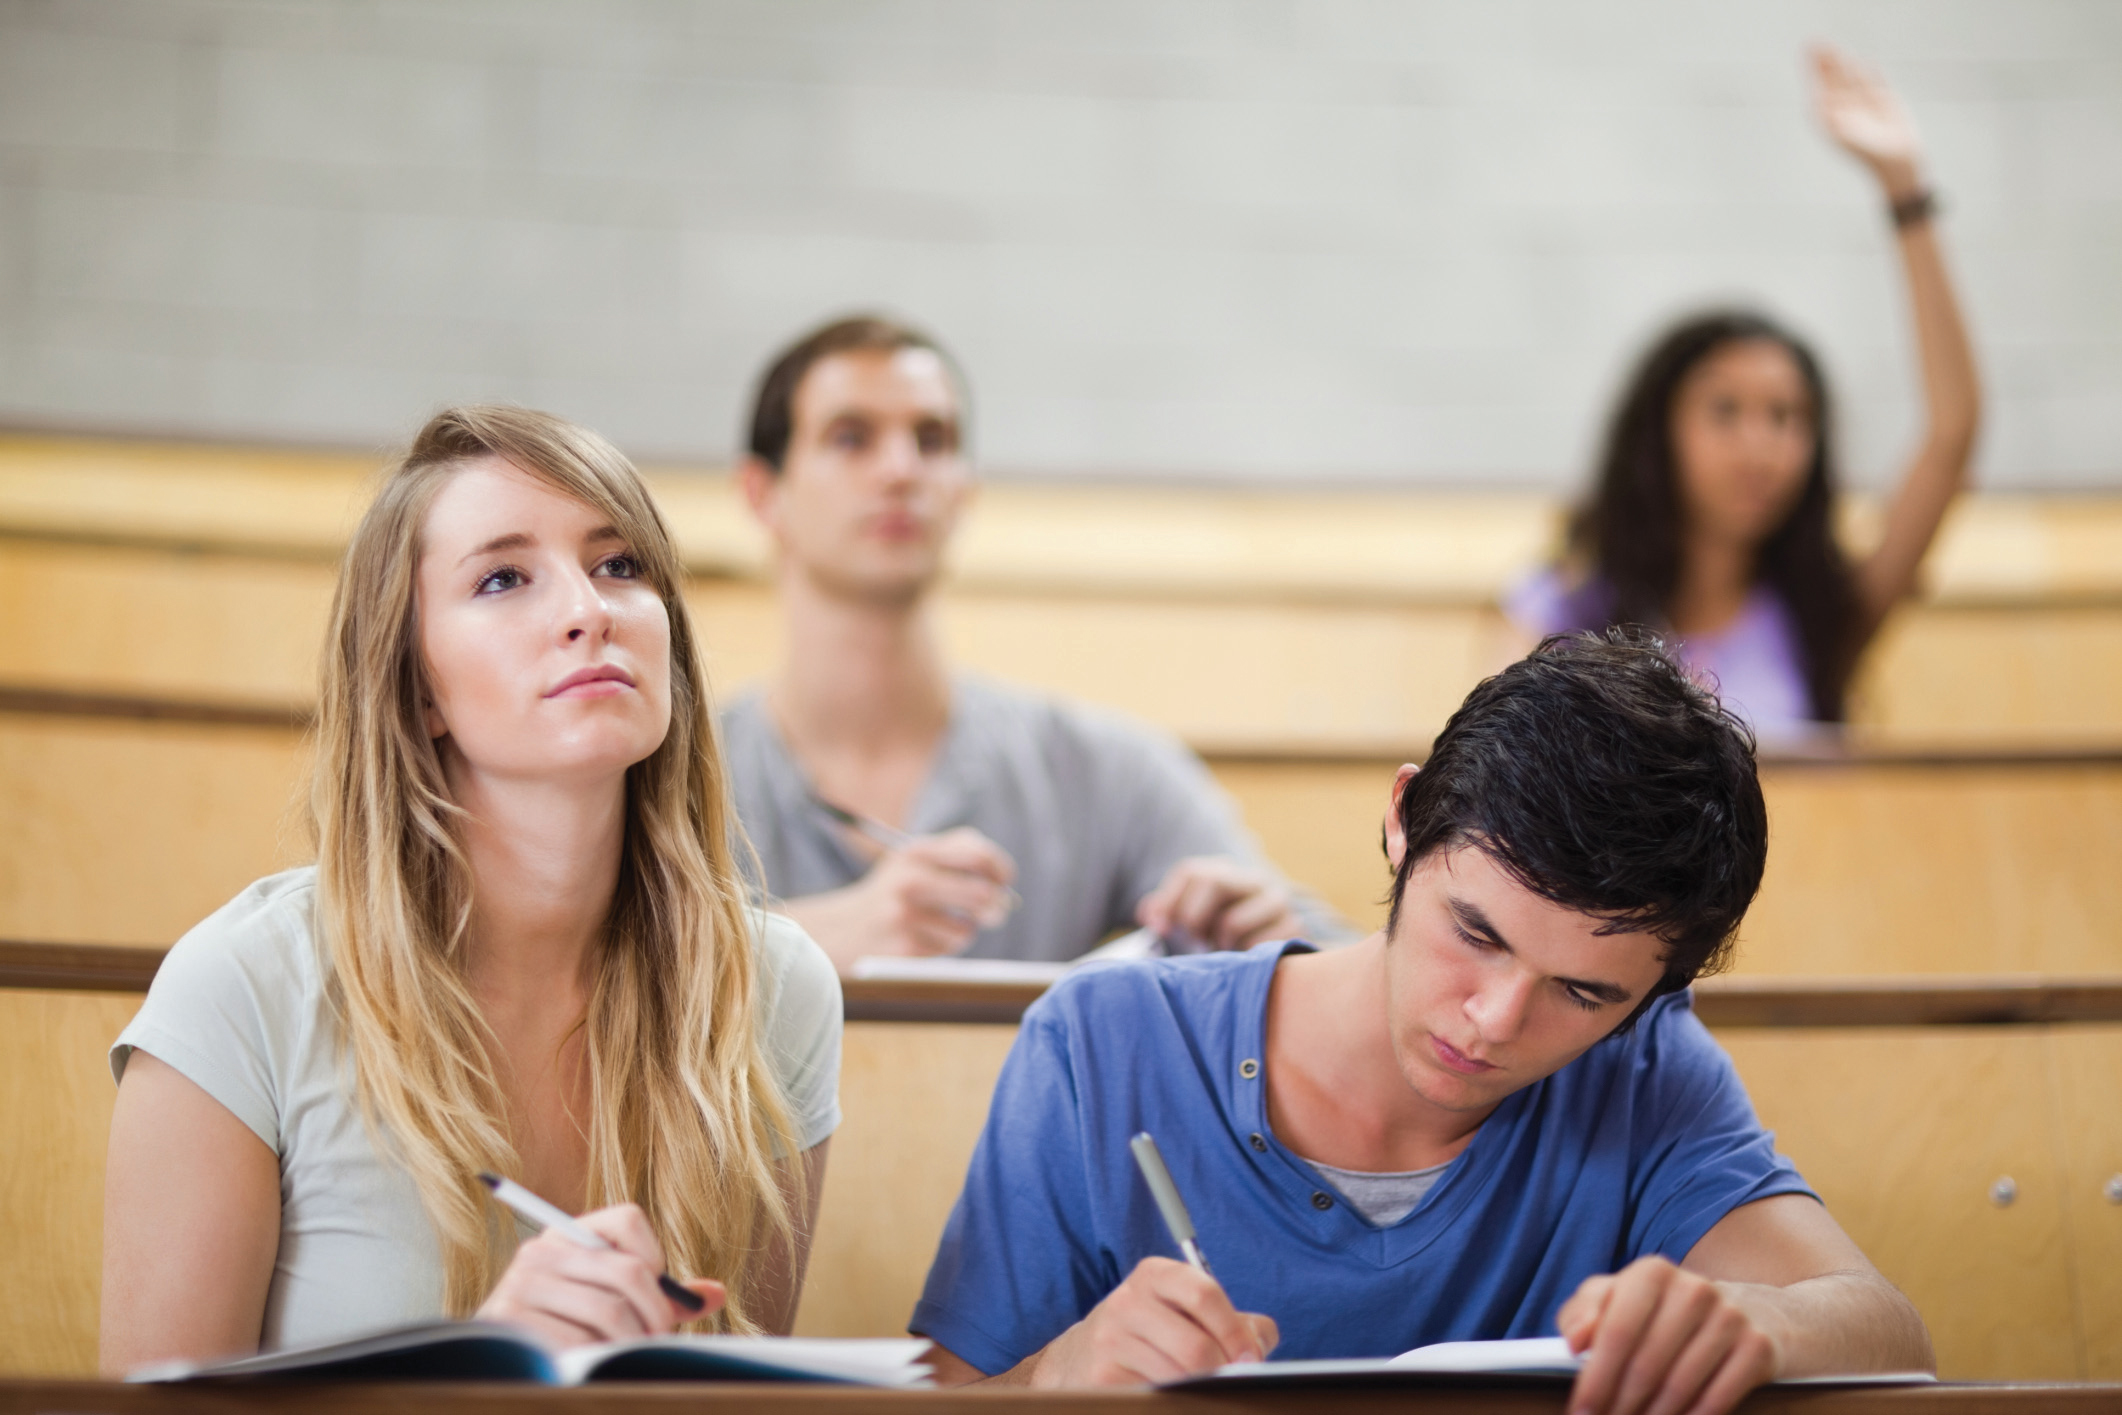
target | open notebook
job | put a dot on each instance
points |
(950, 968)
(1541, 1358)
(495, 1351)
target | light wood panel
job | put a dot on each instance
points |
(130, 832)
(1238, 676)
(740, 624)
(1322, 822)
(56, 1095)
(140, 620)
(2087, 1077)
(1950, 673)
(1871, 869)
(1100, 537)
(276, 500)
(914, 1096)
(1939, 870)
(215, 627)
(1254, 620)
(1902, 1133)
(1241, 673)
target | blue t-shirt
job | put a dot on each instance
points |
(1637, 1147)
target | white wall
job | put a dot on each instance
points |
(1351, 239)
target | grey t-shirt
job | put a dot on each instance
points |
(1385, 1197)
(1092, 806)
(239, 1008)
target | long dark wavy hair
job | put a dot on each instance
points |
(1630, 532)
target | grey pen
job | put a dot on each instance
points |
(1166, 1193)
(890, 837)
(893, 838)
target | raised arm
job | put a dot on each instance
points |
(1862, 115)
(191, 1224)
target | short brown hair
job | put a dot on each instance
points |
(774, 406)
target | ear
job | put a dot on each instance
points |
(1395, 834)
(437, 729)
(761, 486)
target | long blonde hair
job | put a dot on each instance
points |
(685, 1117)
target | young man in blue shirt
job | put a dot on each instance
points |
(1498, 1117)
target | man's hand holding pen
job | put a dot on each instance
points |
(1167, 1321)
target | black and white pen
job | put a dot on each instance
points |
(533, 1209)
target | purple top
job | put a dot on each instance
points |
(1754, 665)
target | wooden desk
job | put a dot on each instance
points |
(100, 1398)
(1720, 1002)
(1901, 1100)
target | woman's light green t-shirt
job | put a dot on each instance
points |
(239, 1008)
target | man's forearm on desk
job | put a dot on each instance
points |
(1839, 1323)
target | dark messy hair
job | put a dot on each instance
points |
(1629, 532)
(1602, 778)
(774, 405)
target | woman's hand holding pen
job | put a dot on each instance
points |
(1165, 1322)
(569, 1294)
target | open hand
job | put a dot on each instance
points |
(1865, 119)
(570, 1295)
(1660, 1340)
(1220, 903)
(1165, 1322)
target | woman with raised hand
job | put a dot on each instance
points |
(525, 947)
(1713, 512)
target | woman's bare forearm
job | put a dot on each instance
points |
(1952, 395)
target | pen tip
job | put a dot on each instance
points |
(491, 1181)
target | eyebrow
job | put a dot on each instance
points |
(1470, 918)
(520, 540)
(926, 418)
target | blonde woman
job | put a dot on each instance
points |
(524, 948)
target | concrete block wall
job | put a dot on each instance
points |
(1402, 241)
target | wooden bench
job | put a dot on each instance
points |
(134, 819)
(1242, 621)
(1904, 1104)
(1879, 862)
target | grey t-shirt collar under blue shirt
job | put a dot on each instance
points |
(1639, 1146)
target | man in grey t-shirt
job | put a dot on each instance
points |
(898, 808)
